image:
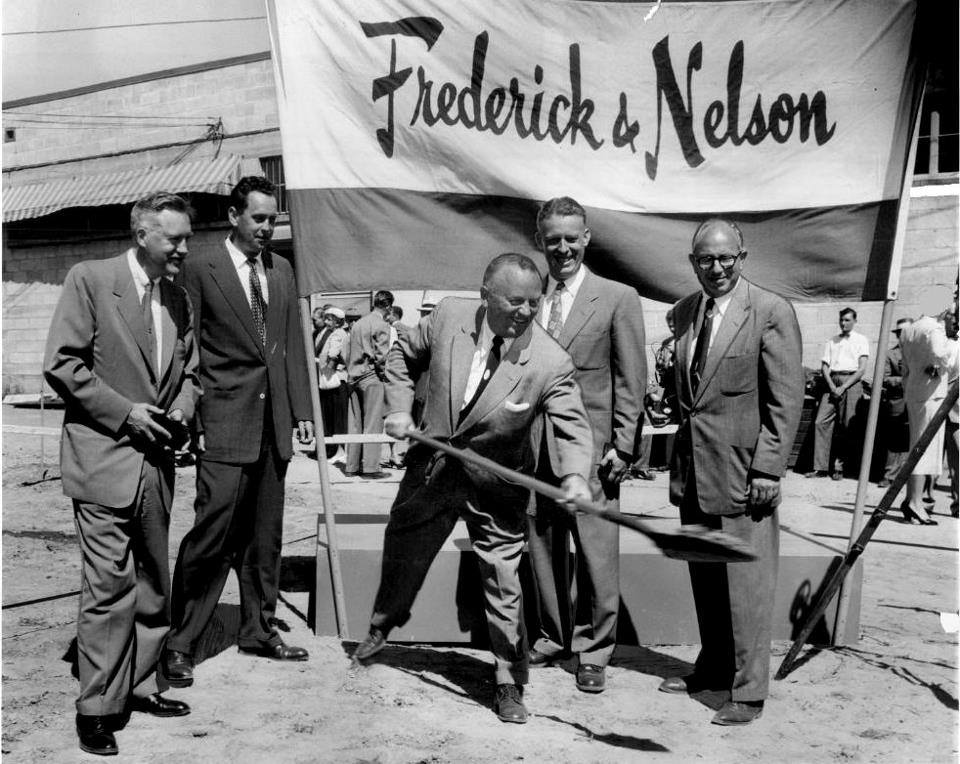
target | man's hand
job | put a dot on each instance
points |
(612, 468)
(305, 431)
(764, 492)
(397, 424)
(575, 487)
(141, 423)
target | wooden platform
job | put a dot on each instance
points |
(656, 605)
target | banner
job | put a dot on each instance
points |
(420, 136)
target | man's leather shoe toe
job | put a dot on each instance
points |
(591, 678)
(371, 645)
(684, 685)
(177, 668)
(734, 713)
(277, 652)
(95, 735)
(536, 659)
(157, 705)
(509, 704)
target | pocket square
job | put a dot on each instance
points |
(511, 406)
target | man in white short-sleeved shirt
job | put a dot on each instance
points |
(843, 365)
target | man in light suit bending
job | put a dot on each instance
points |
(740, 387)
(121, 354)
(493, 372)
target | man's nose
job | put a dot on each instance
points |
(182, 247)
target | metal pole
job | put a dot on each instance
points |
(893, 286)
(330, 523)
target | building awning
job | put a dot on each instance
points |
(207, 176)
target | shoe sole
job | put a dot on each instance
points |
(255, 654)
(591, 689)
(726, 723)
(178, 683)
(363, 659)
(98, 751)
(511, 720)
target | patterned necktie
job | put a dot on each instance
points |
(256, 302)
(555, 322)
(493, 361)
(146, 307)
(703, 345)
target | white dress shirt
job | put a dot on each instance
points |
(243, 265)
(479, 363)
(140, 281)
(843, 354)
(567, 296)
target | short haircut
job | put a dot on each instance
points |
(153, 204)
(383, 299)
(500, 262)
(561, 206)
(851, 311)
(397, 311)
(248, 184)
(706, 225)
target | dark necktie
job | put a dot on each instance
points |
(555, 322)
(703, 345)
(256, 302)
(493, 361)
(146, 307)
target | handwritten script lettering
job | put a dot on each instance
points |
(572, 117)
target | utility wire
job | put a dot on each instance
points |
(134, 26)
(102, 116)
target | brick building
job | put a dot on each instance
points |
(73, 161)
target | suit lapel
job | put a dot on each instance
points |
(463, 346)
(225, 276)
(128, 305)
(169, 331)
(581, 310)
(503, 381)
(733, 319)
(275, 315)
(685, 317)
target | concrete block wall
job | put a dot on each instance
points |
(248, 103)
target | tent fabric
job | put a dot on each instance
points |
(209, 176)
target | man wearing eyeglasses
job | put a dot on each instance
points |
(740, 389)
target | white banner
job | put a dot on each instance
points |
(757, 105)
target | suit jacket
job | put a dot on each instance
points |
(368, 346)
(239, 375)
(924, 343)
(98, 360)
(535, 378)
(605, 339)
(893, 381)
(744, 415)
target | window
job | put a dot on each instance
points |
(273, 171)
(9, 135)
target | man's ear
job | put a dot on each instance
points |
(586, 236)
(538, 239)
(484, 294)
(233, 216)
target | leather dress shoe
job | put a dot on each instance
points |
(509, 704)
(177, 668)
(277, 652)
(683, 685)
(735, 713)
(816, 474)
(372, 644)
(591, 678)
(157, 705)
(645, 475)
(536, 659)
(95, 735)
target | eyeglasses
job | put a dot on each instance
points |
(705, 262)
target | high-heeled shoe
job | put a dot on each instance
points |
(913, 518)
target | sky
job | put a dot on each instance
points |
(54, 45)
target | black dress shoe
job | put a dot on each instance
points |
(157, 705)
(380, 475)
(371, 645)
(509, 704)
(736, 713)
(277, 652)
(177, 668)
(683, 685)
(536, 659)
(645, 475)
(95, 735)
(591, 678)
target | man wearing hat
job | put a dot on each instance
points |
(895, 426)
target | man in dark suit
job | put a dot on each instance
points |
(366, 355)
(600, 324)
(253, 370)
(493, 373)
(740, 388)
(121, 353)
